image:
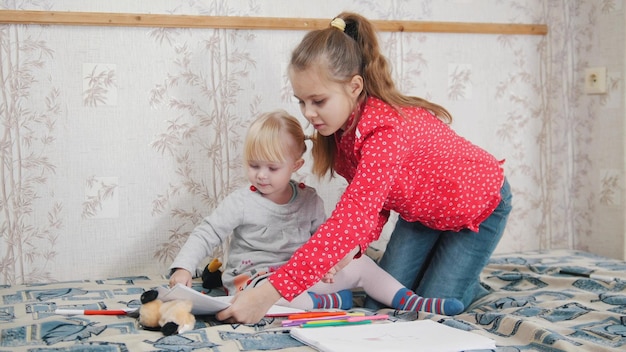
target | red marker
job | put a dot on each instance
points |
(91, 312)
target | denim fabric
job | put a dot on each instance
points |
(444, 264)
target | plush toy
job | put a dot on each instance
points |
(211, 275)
(171, 317)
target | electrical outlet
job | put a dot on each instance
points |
(595, 80)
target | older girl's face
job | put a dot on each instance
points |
(327, 105)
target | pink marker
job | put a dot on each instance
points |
(368, 317)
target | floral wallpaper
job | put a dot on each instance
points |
(116, 141)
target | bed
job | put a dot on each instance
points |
(559, 300)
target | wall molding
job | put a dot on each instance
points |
(267, 23)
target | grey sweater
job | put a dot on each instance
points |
(263, 234)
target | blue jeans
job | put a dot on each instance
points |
(444, 264)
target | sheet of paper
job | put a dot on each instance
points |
(202, 304)
(421, 335)
(209, 305)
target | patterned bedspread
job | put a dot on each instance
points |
(533, 307)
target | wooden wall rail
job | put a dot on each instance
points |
(269, 23)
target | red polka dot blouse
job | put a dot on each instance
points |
(415, 165)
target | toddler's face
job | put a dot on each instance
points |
(272, 178)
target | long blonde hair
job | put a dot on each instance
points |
(266, 141)
(343, 54)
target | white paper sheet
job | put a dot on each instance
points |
(208, 305)
(421, 335)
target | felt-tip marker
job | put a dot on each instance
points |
(91, 312)
(367, 317)
(318, 324)
(590, 276)
(308, 315)
(342, 316)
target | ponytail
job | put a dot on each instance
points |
(376, 72)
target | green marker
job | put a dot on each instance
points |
(318, 324)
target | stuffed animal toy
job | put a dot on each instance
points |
(211, 275)
(171, 317)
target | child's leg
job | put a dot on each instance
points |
(445, 263)
(302, 301)
(339, 299)
(335, 295)
(364, 272)
(309, 300)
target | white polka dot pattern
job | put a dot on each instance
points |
(415, 165)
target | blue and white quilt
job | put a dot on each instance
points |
(558, 300)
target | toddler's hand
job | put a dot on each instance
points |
(180, 276)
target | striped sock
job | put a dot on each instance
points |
(341, 300)
(405, 299)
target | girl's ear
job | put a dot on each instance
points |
(356, 85)
(298, 164)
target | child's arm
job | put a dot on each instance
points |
(208, 235)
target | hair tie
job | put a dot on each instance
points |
(338, 23)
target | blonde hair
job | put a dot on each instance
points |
(343, 54)
(266, 138)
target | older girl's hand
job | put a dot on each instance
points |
(250, 305)
(329, 277)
